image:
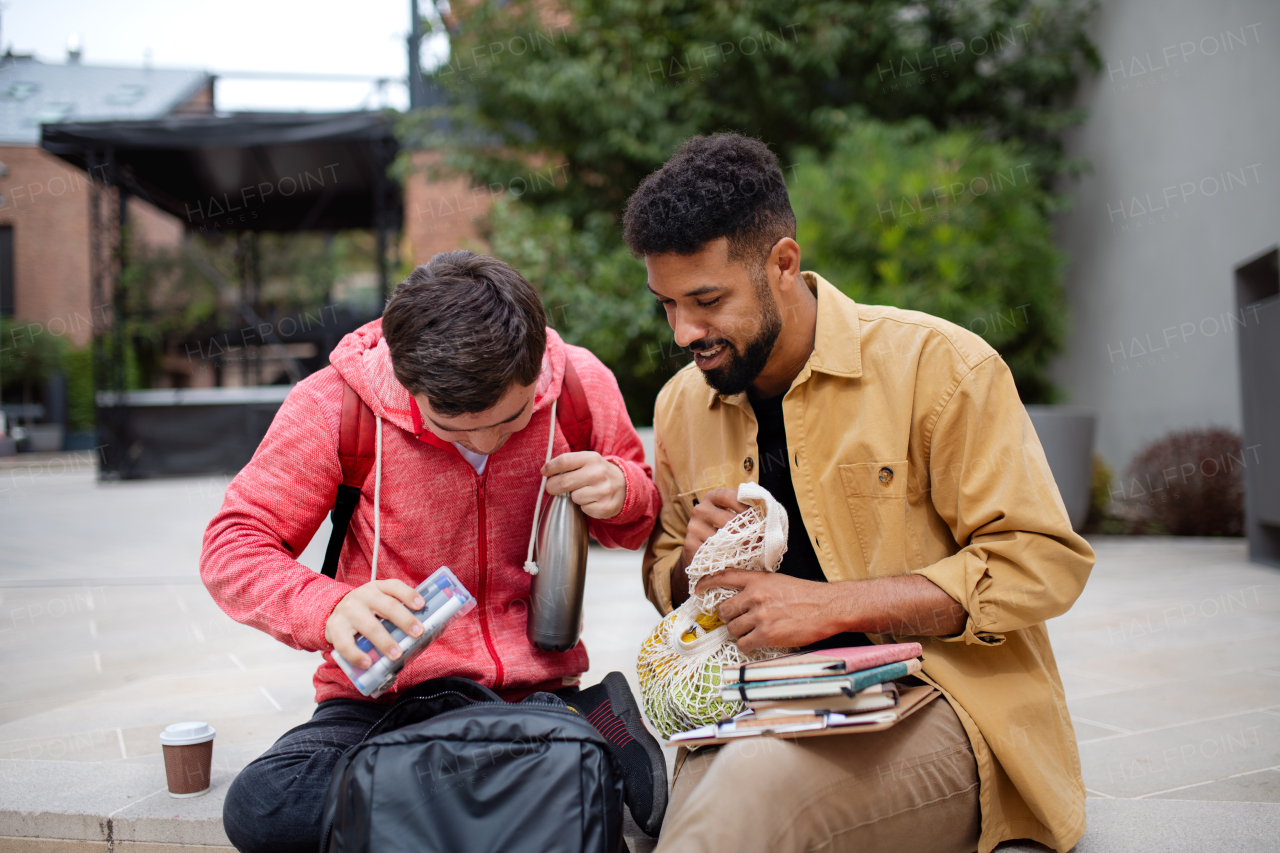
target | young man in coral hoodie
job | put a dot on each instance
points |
(461, 373)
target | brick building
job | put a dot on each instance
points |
(44, 202)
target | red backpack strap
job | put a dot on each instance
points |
(572, 412)
(357, 432)
(357, 435)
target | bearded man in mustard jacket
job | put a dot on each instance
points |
(921, 508)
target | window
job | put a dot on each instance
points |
(6, 270)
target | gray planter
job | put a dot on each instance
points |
(43, 438)
(184, 432)
(1066, 433)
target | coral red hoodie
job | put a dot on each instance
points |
(436, 511)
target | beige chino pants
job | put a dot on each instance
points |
(909, 789)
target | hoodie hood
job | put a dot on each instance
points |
(363, 360)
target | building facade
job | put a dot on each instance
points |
(1183, 187)
(44, 202)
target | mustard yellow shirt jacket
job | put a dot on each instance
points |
(912, 453)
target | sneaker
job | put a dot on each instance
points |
(610, 707)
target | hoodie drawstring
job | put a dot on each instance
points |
(529, 565)
(377, 497)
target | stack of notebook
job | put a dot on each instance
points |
(827, 692)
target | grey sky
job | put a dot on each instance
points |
(315, 36)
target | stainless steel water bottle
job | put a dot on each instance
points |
(555, 598)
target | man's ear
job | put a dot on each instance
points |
(784, 261)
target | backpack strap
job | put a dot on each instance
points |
(572, 412)
(356, 452)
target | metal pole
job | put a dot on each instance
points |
(382, 152)
(246, 296)
(98, 295)
(383, 278)
(119, 315)
(415, 65)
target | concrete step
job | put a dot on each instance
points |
(1172, 826)
(117, 806)
(74, 806)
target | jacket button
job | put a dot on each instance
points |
(886, 474)
(747, 464)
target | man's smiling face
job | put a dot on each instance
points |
(728, 320)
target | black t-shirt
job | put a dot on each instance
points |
(800, 561)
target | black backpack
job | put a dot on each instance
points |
(453, 768)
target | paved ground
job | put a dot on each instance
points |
(1171, 661)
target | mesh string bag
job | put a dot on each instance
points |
(681, 663)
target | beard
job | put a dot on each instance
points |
(742, 366)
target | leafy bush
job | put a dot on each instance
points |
(594, 294)
(80, 393)
(945, 223)
(29, 356)
(1190, 483)
(1104, 515)
(609, 88)
(569, 110)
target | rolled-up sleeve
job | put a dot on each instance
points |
(1020, 562)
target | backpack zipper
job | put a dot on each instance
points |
(546, 706)
(508, 706)
(407, 700)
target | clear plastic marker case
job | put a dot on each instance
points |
(444, 600)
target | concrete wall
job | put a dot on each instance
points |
(1184, 142)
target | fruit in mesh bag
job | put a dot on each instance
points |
(681, 664)
(679, 680)
(703, 625)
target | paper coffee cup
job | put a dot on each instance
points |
(188, 758)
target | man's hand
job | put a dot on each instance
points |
(779, 611)
(597, 485)
(776, 611)
(713, 512)
(360, 612)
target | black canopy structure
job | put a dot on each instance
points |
(249, 171)
(241, 174)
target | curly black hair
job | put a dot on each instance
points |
(725, 185)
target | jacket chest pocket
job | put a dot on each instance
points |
(877, 494)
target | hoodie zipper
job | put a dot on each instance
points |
(484, 583)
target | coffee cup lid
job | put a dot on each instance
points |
(184, 734)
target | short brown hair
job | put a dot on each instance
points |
(462, 329)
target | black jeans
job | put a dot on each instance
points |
(274, 805)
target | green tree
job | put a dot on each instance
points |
(609, 88)
(594, 294)
(946, 223)
(570, 111)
